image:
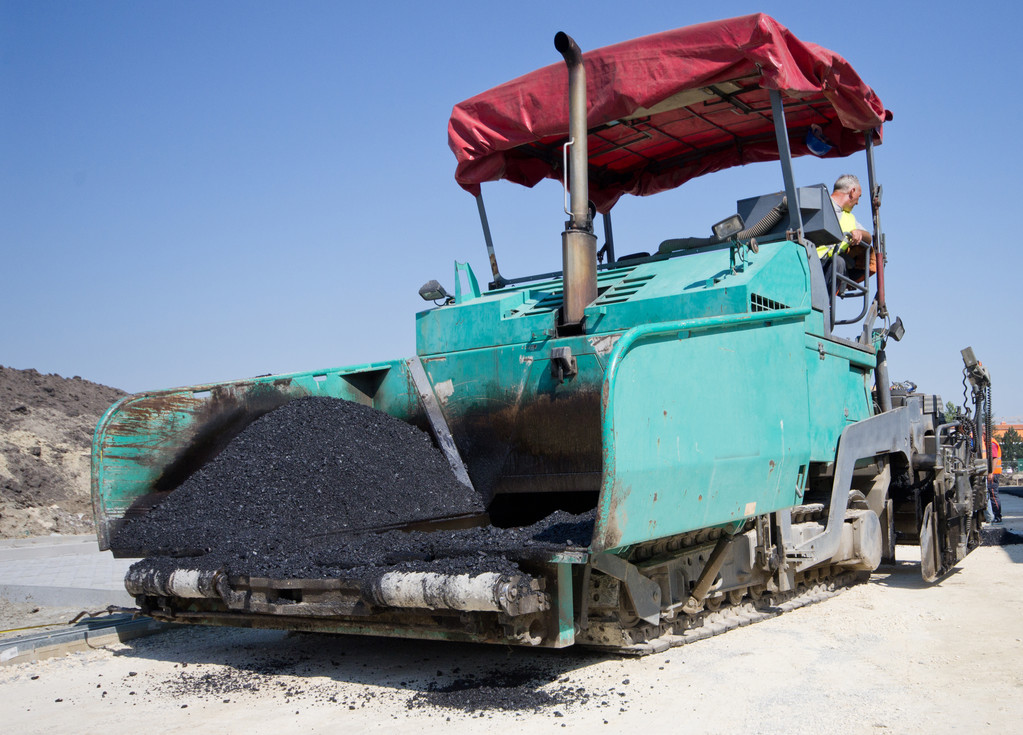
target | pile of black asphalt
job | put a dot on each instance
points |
(297, 494)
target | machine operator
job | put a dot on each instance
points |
(842, 257)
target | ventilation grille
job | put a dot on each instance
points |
(624, 289)
(552, 299)
(762, 303)
(546, 302)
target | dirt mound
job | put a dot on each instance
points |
(46, 425)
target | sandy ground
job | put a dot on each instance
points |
(892, 656)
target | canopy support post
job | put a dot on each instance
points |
(609, 241)
(785, 158)
(499, 280)
(881, 255)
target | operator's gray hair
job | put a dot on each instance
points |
(845, 182)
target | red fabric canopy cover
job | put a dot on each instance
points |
(515, 131)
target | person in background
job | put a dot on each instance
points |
(992, 493)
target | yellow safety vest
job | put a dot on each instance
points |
(846, 221)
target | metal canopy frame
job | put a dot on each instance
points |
(667, 108)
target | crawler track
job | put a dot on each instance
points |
(625, 634)
(646, 639)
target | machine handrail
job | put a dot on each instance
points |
(862, 290)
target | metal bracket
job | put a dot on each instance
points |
(707, 577)
(441, 432)
(563, 364)
(783, 571)
(643, 591)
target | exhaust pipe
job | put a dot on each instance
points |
(578, 243)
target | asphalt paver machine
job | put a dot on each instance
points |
(695, 397)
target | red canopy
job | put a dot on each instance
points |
(666, 108)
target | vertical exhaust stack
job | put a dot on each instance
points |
(578, 243)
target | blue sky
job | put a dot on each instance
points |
(193, 192)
